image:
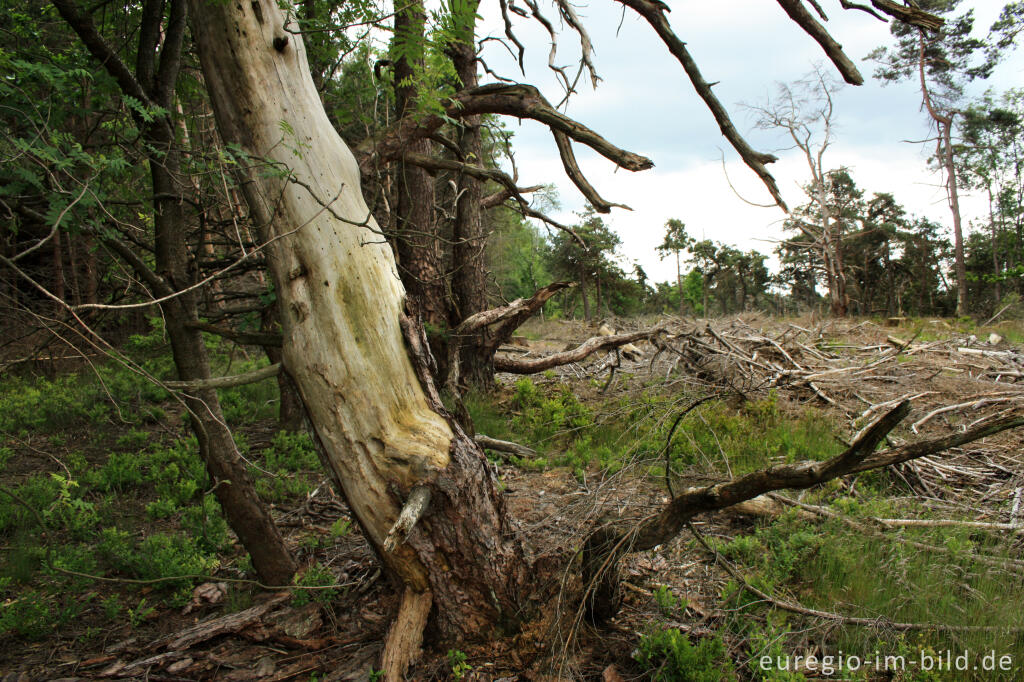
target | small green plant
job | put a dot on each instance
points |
(111, 606)
(320, 579)
(140, 613)
(671, 657)
(457, 662)
(340, 528)
(668, 603)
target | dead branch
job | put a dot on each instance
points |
(908, 14)
(805, 20)
(588, 347)
(519, 309)
(412, 511)
(876, 530)
(504, 446)
(572, 169)
(228, 381)
(241, 338)
(503, 195)
(605, 546)
(654, 12)
(986, 400)
(516, 99)
(525, 101)
(402, 646)
(511, 316)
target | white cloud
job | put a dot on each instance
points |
(646, 105)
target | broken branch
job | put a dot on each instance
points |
(226, 382)
(592, 345)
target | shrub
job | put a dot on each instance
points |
(670, 655)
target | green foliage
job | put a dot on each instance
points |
(140, 613)
(340, 528)
(668, 603)
(830, 564)
(36, 615)
(316, 576)
(33, 406)
(289, 469)
(753, 437)
(670, 656)
(291, 452)
(161, 555)
(560, 415)
(457, 663)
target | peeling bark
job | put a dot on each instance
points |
(359, 363)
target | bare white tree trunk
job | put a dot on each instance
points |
(373, 409)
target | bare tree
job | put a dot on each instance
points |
(804, 111)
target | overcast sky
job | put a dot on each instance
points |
(646, 104)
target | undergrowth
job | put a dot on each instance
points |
(131, 500)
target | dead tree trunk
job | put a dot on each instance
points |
(358, 361)
(944, 152)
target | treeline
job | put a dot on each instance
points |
(843, 251)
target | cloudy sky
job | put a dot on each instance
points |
(645, 104)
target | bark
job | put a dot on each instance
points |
(960, 263)
(469, 281)
(583, 294)
(154, 84)
(291, 415)
(416, 235)
(944, 123)
(58, 268)
(679, 286)
(348, 345)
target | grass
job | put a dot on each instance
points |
(830, 567)
(131, 501)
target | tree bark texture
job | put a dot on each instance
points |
(416, 237)
(469, 280)
(348, 345)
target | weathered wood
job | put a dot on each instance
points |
(504, 446)
(588, 347)
(231, 623)
(361, 369)
(228, 381)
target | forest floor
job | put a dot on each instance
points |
(116, 564)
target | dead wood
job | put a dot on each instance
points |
(516, 449)
(606, 546)
(585, 349)
(231, 623)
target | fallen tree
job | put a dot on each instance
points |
(605, 547)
